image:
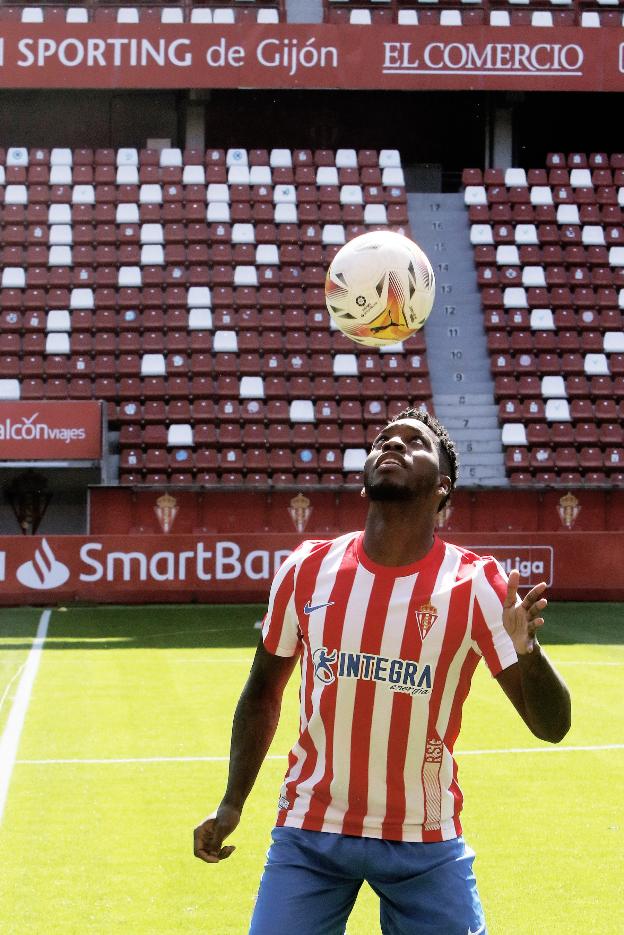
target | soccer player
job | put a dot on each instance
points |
(388, 625)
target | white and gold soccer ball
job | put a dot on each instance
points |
(379, 288)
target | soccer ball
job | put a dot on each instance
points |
(379, 288)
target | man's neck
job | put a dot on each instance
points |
(398, 532)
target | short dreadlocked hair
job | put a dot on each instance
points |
(446, 443)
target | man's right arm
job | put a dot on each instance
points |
(255, 722)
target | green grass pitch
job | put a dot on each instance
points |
(105, 847)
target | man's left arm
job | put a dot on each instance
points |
(536, 690)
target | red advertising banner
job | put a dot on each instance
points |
(148, 55)
(239, 568)
(50, 431)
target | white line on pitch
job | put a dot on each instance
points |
(224, 661)
(5, 693)
(199, 630)
(280, 756)
(10, 739)
(550, 749)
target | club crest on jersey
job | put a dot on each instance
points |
(426, 616)
(323, 662)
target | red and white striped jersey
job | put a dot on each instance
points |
(387, 655)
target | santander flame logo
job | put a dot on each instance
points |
(44, 572)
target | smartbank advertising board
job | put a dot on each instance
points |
(50, 431)
(146, 55)
(239, 568)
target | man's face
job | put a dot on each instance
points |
(404, 462)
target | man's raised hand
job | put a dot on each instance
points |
(522, 620)
(209, 835)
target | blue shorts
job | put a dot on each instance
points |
(311, 880)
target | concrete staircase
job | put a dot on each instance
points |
(459, 363)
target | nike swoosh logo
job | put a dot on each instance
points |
(476, 931)
(310, 608)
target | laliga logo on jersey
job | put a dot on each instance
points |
(323, 662)
(44, 572)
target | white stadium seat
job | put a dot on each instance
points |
(351, 195)
(83, 195)
(354, 459)
(76, 14)
(596, 365)
(515, 297)
(515, 178)
(127, 175)
(513, 433)
(301, 410)
(375, 214)
(475, 195)
(389, 159)
(58, 320)
(17, 156)
(199, 297)
(16, 195)
(218, 212)
(152, 233)
(346, 159)
(129, 277)
(180, 435)
(267, 254)
(345, 365)
(534, 277)
(200, 319)
(9, 389)
(153, 365)
(57, 342)
(173, 14)
(251, 388)
(557, 410)
(225, 342)
(59, 256)
(236, 157)
(260, 175)
(152, 255)
(127, 15)
(150, 194)
(127, 156)
(61, 156)
(13, 277)
(613, 342)
(553, 387)
(542, 319)
(280, 159)
(194, 175)
(127, 213)
(170, 158)
(82, 299)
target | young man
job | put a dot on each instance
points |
(388, 625)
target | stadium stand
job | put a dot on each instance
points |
(166, 13)
(498, 13)
(452, 13)
(185, 287)
(549, 255)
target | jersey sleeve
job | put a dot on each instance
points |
(280, 627)
(490, 638)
